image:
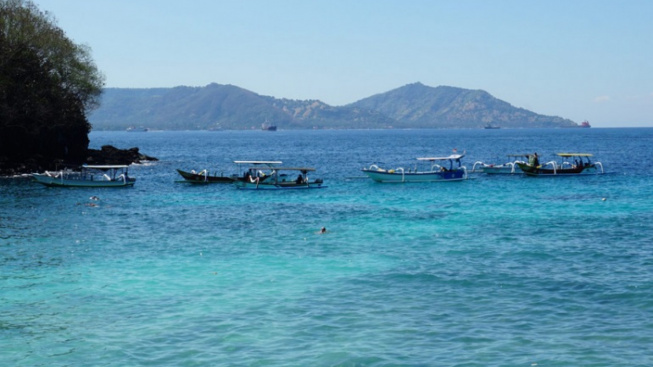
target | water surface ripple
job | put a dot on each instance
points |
(493, 271)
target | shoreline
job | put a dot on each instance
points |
(108, 154)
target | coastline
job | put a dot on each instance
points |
(108, 154)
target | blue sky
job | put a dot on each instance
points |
(582, 60)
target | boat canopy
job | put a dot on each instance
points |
(567, 155)
(453, 156)
(105, 167)
(258, 162)
(308, 169)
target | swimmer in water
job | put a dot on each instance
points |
(323, 230)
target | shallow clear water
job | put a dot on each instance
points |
(493, 271)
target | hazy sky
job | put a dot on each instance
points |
(582, 60)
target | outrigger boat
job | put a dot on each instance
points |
(204, 177)
(570, 164)
(505, 168)
(436, 172)
(278, 178)
(88, 176)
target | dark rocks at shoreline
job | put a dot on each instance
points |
(106, 155)
(109, 154)
(37, 163)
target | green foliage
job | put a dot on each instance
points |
(47, 85)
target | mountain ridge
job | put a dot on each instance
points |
(216, 106)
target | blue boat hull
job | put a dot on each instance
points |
(243, 185)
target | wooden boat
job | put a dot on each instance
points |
(88, 176)
(569, 164)
(508, 168)
(279, 178)
(204, 177)
(438, 170)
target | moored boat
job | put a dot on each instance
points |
(267, 127)
(278, 178)
(509, 168)
(88, 176)
(204, 177)
(440, 169)
(569, 164)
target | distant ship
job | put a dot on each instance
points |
(266, 127)
(490, 126)
(585, 124)
(138, 129)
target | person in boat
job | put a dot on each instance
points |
(247, 177)
(533, 161)
(300, 179)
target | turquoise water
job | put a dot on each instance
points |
(493, 271)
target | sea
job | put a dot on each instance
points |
(492, 271)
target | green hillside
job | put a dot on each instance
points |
(228, 107)
(417, 105)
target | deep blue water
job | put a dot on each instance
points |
(492, 271)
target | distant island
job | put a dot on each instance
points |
(228, 107)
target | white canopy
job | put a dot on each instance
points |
(258, 162)
(452, 157)
(115, 166)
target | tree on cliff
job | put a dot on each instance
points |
(47, 86)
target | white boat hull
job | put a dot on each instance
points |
(501, 170)
(402, 177)
(498, 169)
(63, 181)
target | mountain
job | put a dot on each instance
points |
(217, 106)
(420, 106)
